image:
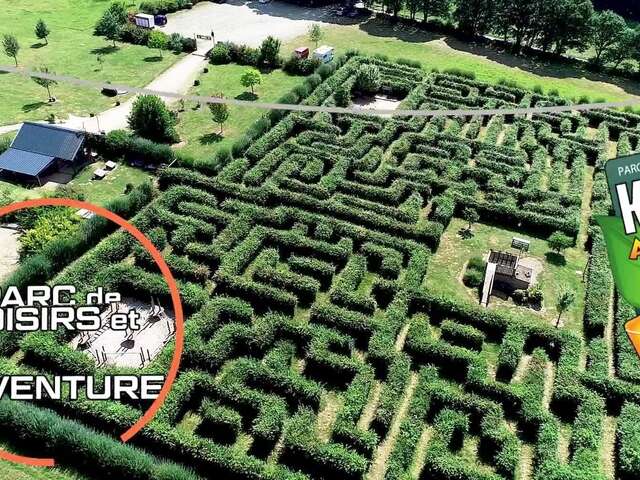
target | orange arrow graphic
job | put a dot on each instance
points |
(633, 330)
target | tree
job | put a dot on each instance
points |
(315, 34)
(368, 79)
(250, 78)
(158, 40)
(563, 302)
(270, 52)
(516, 18)
(474, 17)
(606, 29)
(626, 47)
(42, 31)
(150, 118)
(470, 215)
(393, 6)
(563, 23)
(45, 82)
(110, 26)
(558, 242)
(219, 113)
(117, 11)
(434, 8)
(11, 47)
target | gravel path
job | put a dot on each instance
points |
(9, 247)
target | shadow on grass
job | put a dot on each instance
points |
(210, 138)
(555, 68)
(31, 107)
(104, 50)
(247, 96)
(556, 259)
(38, 45)
(156, 58)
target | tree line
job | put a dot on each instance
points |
(548, 25)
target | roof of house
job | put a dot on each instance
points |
(26, 163)
(49, 140)
(505, 262)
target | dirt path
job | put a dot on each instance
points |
(379, 465)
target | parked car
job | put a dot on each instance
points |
(160, 20)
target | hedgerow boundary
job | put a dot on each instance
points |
(303, 262)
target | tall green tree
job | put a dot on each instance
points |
(516, 19)
(111, 27)
(393, 6)
(563, 25)
(42, 31)
(434, 8)
(250, 78)
(315, 34)
(46, 83)
(11, 46)
(475, 17)
(219, 113)
(270, 52)
(150, 118)
(627, 47)
(117, 12)
(607, 27)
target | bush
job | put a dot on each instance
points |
(474, 273)
(368, 80)
(220, 54)
(150, 118)
(300, 66)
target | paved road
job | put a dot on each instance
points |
(245, 22)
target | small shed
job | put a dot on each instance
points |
(40, 149)
(324, 53)
(301, 52)
(144, 20)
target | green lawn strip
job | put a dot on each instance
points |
(436, 51)
(72, 50)
(446, 266)
(112, 186)
(12, 471)
(95, 191)
(196, 127)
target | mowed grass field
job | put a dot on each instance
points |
(197, 130)
(447, 266)
(72, 50)
(12, 471)
(436, 51)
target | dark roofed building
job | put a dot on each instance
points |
(40, 149)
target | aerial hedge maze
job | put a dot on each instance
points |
(313, 350)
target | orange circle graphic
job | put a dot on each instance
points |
(175, 298)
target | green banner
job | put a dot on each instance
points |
(626, 272)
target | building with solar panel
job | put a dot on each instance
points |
(40, 150)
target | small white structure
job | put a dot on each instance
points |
(323, 53)
(99, 174)
(144, 20)
(110, 165)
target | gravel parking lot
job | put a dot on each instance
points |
(247, 22)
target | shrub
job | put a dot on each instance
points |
(150, 118)
(300, 66)
(220, 54)
(474, 273)
(368, 80)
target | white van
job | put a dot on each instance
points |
(324, 53)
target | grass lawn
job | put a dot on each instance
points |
(72, 50)
(96, 191)
(112, 186)
(437, 51)
(196, 128)
(11, 471)
(446, 267)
